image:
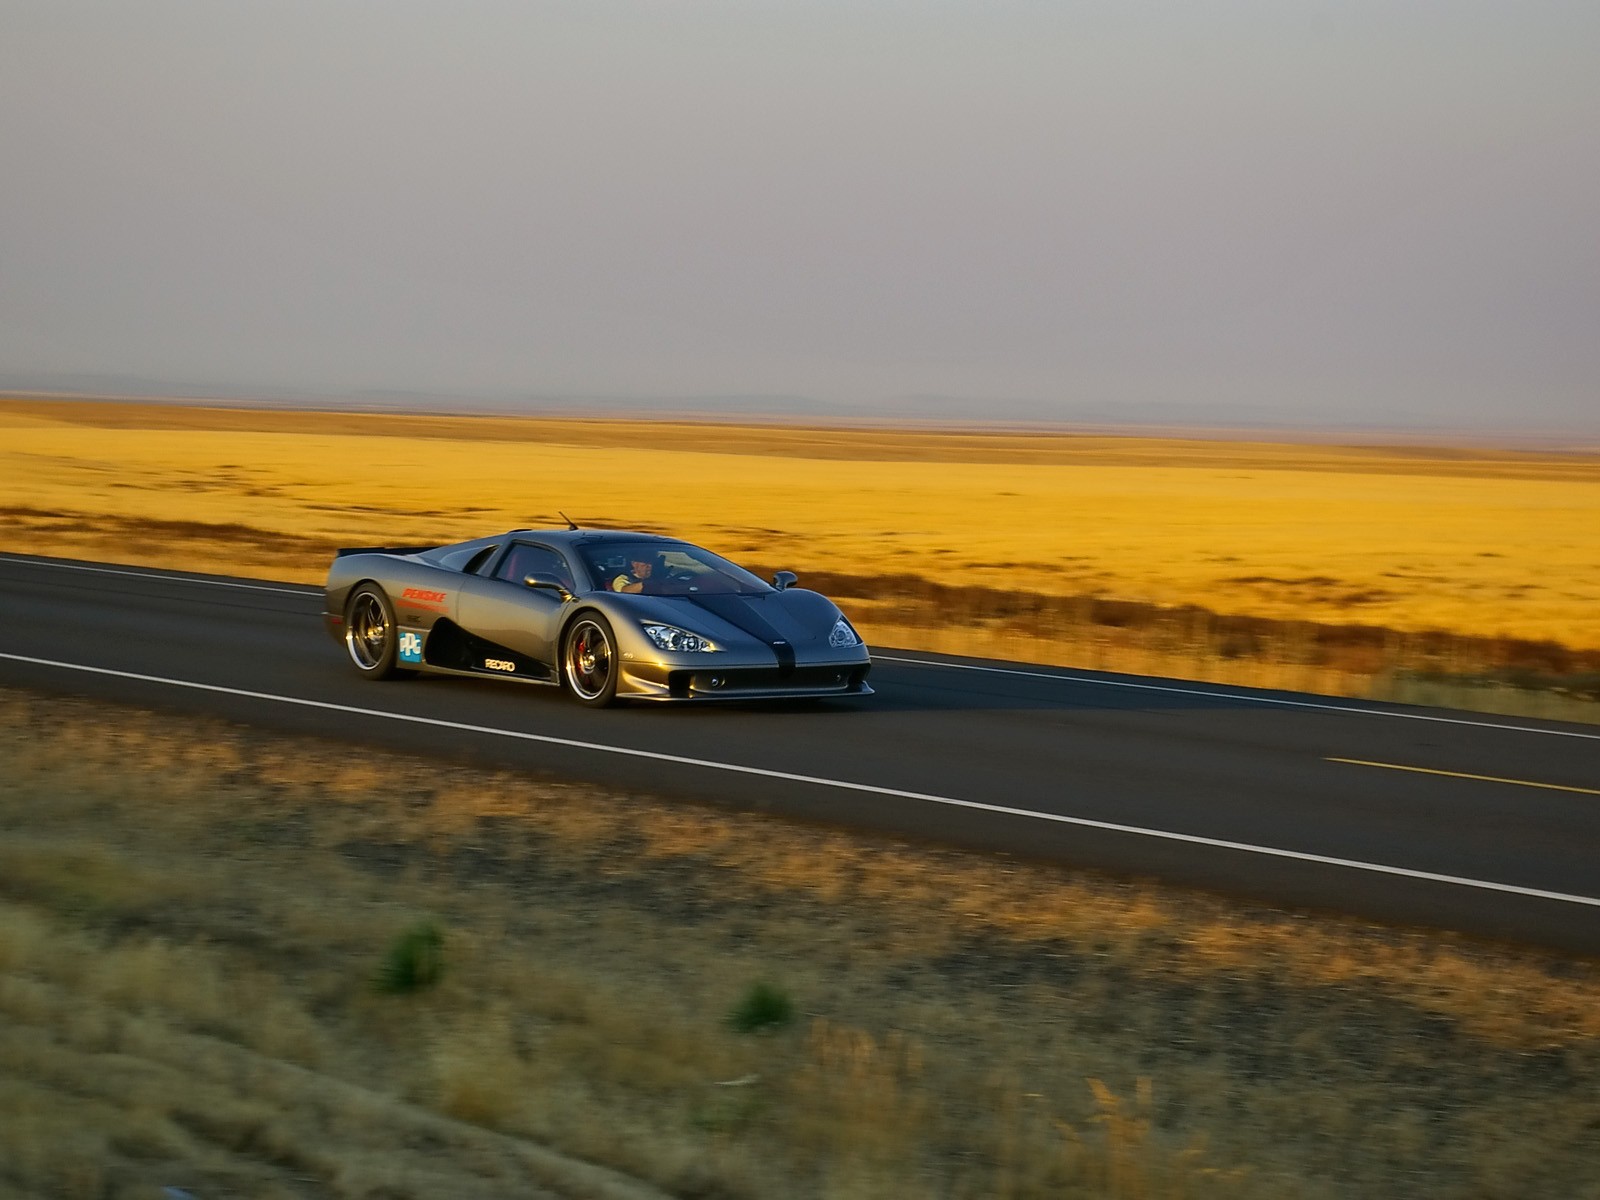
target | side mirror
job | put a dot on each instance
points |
(547, 583)
(784, 579)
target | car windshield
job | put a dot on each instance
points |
(667, 569)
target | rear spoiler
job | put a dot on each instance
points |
(382, 550)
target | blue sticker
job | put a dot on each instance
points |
(411, 647)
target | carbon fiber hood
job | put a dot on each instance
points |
(794, 617)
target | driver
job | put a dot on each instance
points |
(637, 576)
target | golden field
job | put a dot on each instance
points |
(1233, 559)
(193, 917)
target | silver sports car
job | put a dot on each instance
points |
(607, 614)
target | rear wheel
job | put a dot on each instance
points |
(371, 635)
(589, 661)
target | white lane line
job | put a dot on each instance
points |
(249, 587)
(1244, 697)
(819, 781)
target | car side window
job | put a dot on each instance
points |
(479, 560)
(523, 560)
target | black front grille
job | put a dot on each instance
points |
(764, 679)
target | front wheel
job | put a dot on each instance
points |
(371, 635)
(589, 661)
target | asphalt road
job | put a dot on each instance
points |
(1485, 825)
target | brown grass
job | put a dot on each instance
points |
(191, 915)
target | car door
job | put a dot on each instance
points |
(500, 608)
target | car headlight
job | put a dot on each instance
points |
(843, 635)
(670, 637)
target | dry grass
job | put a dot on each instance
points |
(1365, 570)
(190, 919)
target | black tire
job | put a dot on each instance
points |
(371, 637)
(589, 664)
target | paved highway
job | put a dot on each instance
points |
(1485, 825)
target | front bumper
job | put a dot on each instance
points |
(674, 682)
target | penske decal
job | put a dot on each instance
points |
(423, 598)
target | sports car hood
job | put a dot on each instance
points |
(795, 615)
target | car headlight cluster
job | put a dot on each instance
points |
(843, 635)
(670, 637)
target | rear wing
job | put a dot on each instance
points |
(382, 550)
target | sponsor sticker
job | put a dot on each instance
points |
(424, 599)
(498, 664)
(410, 647)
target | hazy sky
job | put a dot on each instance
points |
(1344, 208)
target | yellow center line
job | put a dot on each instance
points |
(1554, 787)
